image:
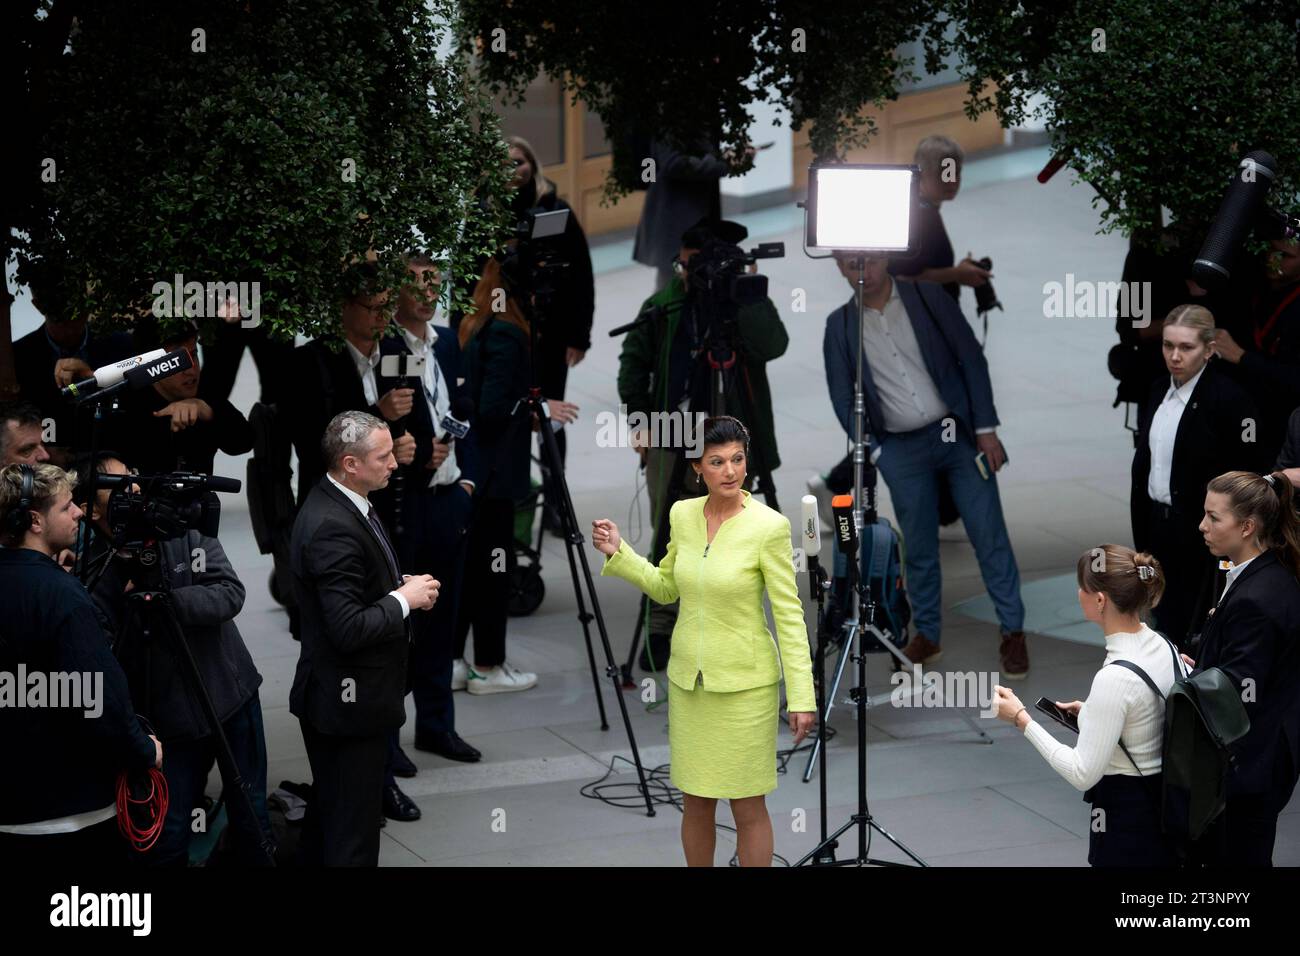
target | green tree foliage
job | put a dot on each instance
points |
(244, 140)
(681, 71)
(1154, 101)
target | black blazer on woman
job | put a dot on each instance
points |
(1208, 443)
(497, 364)
(1254, 634)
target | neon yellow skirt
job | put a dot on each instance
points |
(723, 746)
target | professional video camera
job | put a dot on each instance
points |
(146, 508)
(719, 275)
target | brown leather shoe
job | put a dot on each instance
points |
(1015, 656)
(921, 650)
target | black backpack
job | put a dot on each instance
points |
(1204, 715)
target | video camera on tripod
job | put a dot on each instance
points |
(146, 508)
(719, 273)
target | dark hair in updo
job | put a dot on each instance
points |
(723, 430)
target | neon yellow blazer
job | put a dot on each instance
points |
(721, 630)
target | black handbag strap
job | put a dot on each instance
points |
(1130, 666)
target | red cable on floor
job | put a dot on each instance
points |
(152, 808)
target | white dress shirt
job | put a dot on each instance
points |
(1120, 706)
(366, 365)
(1164, 431)
(437, 398)
(909, 399)
(363, 505)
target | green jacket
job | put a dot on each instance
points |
(644, 362)
(721, 631)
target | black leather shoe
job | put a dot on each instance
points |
(402, 765)
(398, 806)
(449, 746)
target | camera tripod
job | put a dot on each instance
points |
(150, 614)
(532, 408)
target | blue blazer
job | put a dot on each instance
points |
(952, 356)
(446, 352)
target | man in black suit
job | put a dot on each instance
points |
(62, 351)
(351, 678)
(331, 380)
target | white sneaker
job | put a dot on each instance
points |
(500, 680)
(459, 673)
(817, 487)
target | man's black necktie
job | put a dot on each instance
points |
(378, 527)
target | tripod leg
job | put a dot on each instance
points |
(584, 618)
(160, 605)
(569, 518)
(850, 630)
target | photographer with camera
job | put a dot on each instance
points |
(58, 805)
(497, 352)
(565, 336)
(207, 596)
(939, 159)
(664, 366)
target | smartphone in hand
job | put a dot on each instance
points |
(1062, 717)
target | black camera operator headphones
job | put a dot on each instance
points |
(19, 520)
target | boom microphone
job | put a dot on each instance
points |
(1053, 166)
(110, 375)
(1242, 207)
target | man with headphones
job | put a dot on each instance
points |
(59, 802)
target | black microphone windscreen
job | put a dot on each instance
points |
(1241, 208)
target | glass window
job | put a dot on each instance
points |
(540, 120)
(594, 142)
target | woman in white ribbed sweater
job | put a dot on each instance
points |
(1117, 587)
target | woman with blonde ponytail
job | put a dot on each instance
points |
(1253, 635)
